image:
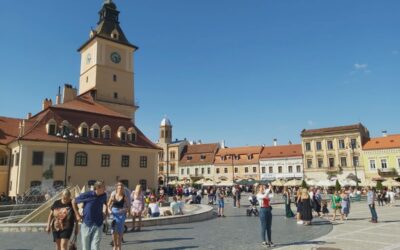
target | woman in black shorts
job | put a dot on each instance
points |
(61, 221)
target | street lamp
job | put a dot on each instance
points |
(233, 168)
(166, 184)
(66, 136)
(351, 150)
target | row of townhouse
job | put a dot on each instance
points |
(342, 152)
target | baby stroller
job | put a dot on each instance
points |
(253, 206)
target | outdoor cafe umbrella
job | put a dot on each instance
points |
(209, 183)
(325, 183)
(174, 182)
(368, 183)
(241, 182)
(262, 182)
(251, 182)
(200, 182)
(293, 182)
(225, 183)
(347, 183)
(311, 182)
(278, 183)
(391, 183)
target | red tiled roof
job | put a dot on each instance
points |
(82, 109)
(281, 151)
(9, 129)
(198, 154)
(85, 103)
(243, 152)
(390, 141)
(332, 130)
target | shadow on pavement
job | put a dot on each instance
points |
(302, 243)
(155, 240)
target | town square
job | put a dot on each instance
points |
(200, 125)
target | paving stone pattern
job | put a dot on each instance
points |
(236, 231)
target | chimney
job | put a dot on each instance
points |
(46, 103)
(384, 133)
(21, 128)
(223, 144)
(290, 142)
(69, 93)
(29, 115)
(275, 142)
(58, 96)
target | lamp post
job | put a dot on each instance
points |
(66, 136)
(166, 184)
(233, 168)
(351, 150)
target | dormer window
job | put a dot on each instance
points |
(122, 134)
(51, 127)
(115, 34)
(83, 130)
(189, 158)
(202, 157)
(96, 133)
(132, 135)
(222, 158)
(107, 134)
(95, 129)
(65, 127)
(250, 156)
(106, 130)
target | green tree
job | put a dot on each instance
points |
(304, 184)
(337, 186)
(379, 185)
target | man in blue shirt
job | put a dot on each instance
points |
(94, 213)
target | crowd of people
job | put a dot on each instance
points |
(65, 216)
(311, 202)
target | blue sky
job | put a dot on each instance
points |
(240, 71)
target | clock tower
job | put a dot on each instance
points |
(107, 64)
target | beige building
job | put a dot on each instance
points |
(281, 162)
(168, 158)
(197, 161)
(336, 151)
(83, 138)
(382, 157)
(237, 163)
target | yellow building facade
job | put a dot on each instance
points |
(334, 152)
(382, 157)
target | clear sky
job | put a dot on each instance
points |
(240, 71)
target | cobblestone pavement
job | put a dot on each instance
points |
(358, 233)
(235, 231)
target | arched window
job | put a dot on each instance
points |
(122, 134)
(83, 130)
(132, 135)
(81, 159)
(95, 131)
(106, 131)
(51, 127)
(65, 127)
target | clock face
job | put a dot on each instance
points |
(115, 57)
(88, 58)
